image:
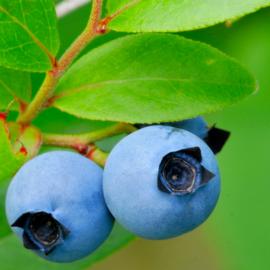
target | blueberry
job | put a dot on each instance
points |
(160, 182)
(197, 126)
(56, 206)
(213, 136)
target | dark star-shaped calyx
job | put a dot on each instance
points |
(41, 231)
(181, 172)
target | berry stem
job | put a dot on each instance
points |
(89, 33)
(97, 155)
(52, 77)
(83, 143)
(80, 140)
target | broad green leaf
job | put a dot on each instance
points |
(11, 248)
(178, 15)
(149, 78)
(28, 34)
(14, 85)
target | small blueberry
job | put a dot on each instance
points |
(213, 136)
(56, 206)
(197, 126)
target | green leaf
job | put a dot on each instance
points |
(11, 248)
(178, 15)
(28, 34)
(14, 85)
(151, 78)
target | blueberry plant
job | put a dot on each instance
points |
(149, 85)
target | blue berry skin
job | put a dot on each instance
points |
(197, 126)
(135, 196)
(64, 188)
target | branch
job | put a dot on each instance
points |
(52, 77)
(79, 141)
(97, 155)
(67, 6)
(89, 33)
(83, 143)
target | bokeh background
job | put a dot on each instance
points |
(237, 235)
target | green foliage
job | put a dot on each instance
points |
(11, 89)
(151, 78)
(28, 34)
(139, 78)
(178, 15)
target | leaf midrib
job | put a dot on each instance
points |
(90, 86)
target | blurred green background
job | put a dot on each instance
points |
(236, 236)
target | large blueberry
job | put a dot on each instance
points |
(56, 206)
(160, 182)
